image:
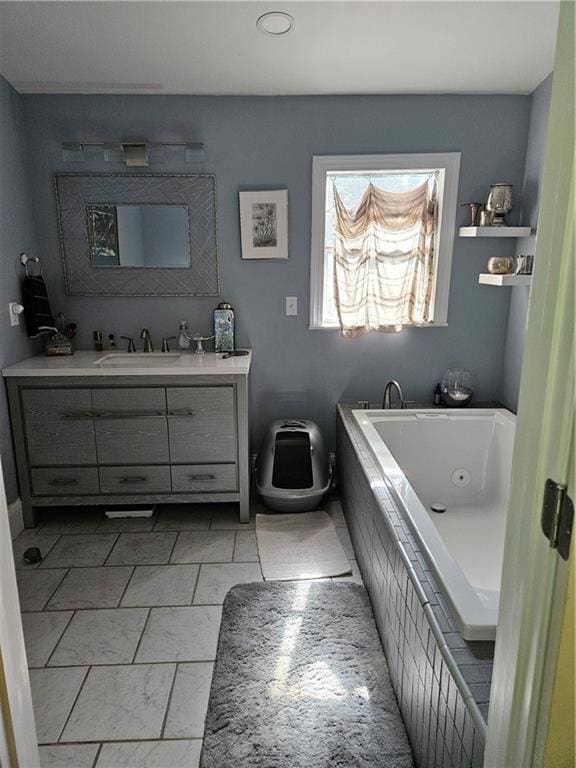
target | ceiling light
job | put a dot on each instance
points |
(275, 23)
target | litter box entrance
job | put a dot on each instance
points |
(292, 461)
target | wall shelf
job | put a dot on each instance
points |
(504, 280)
(495, 231)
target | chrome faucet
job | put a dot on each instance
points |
(148, 346)
(386, 401)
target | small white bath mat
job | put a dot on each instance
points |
(300, 546)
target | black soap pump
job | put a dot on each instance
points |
(437, 398)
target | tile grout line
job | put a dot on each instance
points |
(196, 581)
(144, 627)
(80, 689)
(97, 757)
(173, 547)
(46, 665)
(169, 701)
(56, 588)
(128, 581)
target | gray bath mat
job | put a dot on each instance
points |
(303, 545)
(301, 681)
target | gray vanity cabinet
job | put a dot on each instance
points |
(58, 426)
(202, 424)
(121, 440)
(130, 425)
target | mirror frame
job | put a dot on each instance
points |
(197, 192)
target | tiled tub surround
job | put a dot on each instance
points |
(121, 623)
(442, 682)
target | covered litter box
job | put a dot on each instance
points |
(293, 467)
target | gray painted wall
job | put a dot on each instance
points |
(16, 235)
(268, 142)
(529, 200)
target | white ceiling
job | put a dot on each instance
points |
(214, 47)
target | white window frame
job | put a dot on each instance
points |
(447, 198)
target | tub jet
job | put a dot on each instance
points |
(437, 507)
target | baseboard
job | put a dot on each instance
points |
(15, 518)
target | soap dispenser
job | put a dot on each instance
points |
(184, 340)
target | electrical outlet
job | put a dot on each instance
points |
(291, 305)
(15, 309)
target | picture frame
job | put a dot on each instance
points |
(264, 224)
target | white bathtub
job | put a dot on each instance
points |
(461, 459)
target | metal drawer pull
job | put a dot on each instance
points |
(134, 479)
(181, 412)
(77, 415)
(64, 481)
(128, 414)
(201, 477)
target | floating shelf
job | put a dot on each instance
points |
(495, 231)
(505, 280)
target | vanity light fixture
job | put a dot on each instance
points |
(275, 23)
(135, 153)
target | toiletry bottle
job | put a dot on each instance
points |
(437, 399)
(224, 328)
(98, 344)
(183, 338)
(111, 341)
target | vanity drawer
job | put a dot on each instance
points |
(59, 426)
(204, 478)
(132, 480)
(68, 481)
(201, 424)
(129, 403)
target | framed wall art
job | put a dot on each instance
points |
(264, 224)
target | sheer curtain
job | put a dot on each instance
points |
(384, 259)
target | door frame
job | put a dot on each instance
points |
(534, 577)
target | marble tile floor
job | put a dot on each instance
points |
(121, 623)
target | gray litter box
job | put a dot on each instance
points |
(293, 466)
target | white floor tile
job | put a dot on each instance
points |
(53, 694)
(142, 549)
(77, 520)
(189, 701)
(180, 634)
(204, 547)
(189, 517)
(151, 754)
(121, 703)
(334, 509)
(246, 548)
(126, 524)
(227, 517)
(161, 585)
(108, 636)
(36, 587)
(41, 633)
(346, 542)
(79, 550)
(356, 576)
(68, 755)
(90, 588)
(216, 579)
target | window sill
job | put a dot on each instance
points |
(337, 328)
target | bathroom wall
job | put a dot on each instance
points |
(529, 200)
(16, 235)
(268, 142)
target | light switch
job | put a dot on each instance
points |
(15, 310)
(291, 305)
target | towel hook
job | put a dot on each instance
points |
(25, 260)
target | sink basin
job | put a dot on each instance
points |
(138, 359)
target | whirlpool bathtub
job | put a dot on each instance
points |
(449, 472)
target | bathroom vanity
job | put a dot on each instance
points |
(122, 429)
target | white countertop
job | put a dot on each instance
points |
(85, 363)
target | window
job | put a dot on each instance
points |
(382, 240)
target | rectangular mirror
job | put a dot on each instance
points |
(138, 234)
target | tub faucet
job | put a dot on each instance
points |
(386, 401)
(148, 346)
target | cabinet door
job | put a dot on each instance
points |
(131, 425)
(202, 424)
(59, 426)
